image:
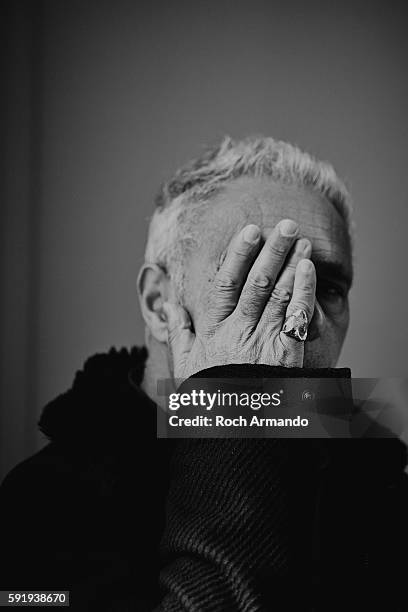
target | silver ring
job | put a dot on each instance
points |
(296, 325)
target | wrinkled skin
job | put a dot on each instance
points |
(262, 202)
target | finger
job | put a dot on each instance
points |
(180, 338)
(263, 274)
(318, 323)
(280, 297)
(232, 273)
(304, 294)
(301, 250)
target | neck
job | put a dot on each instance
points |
(156, 369)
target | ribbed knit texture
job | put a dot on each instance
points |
(250, 523)
(228, 525)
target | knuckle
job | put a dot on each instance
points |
(241, 250)
(225, 282)
(308, 287)
(247, 306)
(291, 265)
(278, 249)
(277, 304)
(260, 281)
(274, 312)
(280, 295)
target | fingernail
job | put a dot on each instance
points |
(288, 228)
(304, 246)
(251, 234)
(306, 266)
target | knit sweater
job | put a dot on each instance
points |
(128, 522)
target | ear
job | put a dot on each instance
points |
(153, 289)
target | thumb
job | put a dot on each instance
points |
(180, 336)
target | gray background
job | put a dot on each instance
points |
(105, 99)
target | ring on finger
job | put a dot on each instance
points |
(296, 325)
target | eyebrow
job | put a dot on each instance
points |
(333, 269)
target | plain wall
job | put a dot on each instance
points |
(106, 99)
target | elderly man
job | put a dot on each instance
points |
(247, 272)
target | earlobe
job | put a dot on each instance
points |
(152, 286)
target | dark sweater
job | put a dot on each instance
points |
(128, 522)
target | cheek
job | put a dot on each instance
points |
(340, 325)
(333, 338)
(336, 329)
(198, 282)
(325, 350)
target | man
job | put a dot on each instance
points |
(247, 272)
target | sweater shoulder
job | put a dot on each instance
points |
(48, 464)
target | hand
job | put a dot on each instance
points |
(248, 305)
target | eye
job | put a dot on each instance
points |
(331, 295)
(331, 290)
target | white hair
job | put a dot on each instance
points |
(174, 228)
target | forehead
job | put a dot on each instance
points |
(265, 202)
